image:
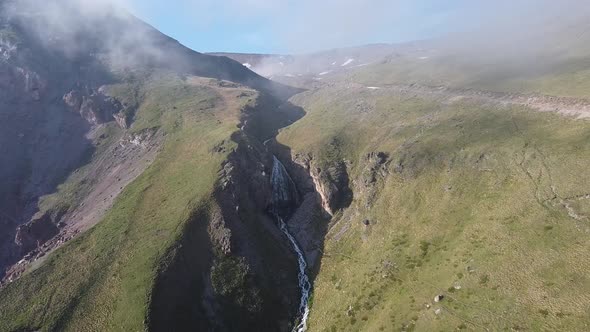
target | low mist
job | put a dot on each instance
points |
(83, 28)
(518, 28)
(524, 32)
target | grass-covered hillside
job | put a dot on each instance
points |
(482, 203)
(104, 280)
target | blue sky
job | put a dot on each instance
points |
(299, 26)
(289, 26)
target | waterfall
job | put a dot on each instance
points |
(304, 283)
(284, 198)
(284, 192)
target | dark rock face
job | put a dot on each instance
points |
(331, 182)
(40, 143)
(337, 184)
(35, 233)
(95, 108)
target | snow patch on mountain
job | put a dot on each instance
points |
(349, 61)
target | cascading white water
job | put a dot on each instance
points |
(304, 283)
(284, 192)
(283, 195)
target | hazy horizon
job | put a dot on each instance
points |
(287, 27)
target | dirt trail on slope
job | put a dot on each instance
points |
(567, 106)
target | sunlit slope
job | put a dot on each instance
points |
(484, 204)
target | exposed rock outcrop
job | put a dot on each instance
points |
(375, 171)
(122, 120)
(331, 183)
(96, 108)
(308, 225)
(35, 233)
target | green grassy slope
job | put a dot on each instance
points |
(486, 205)
(102, 280)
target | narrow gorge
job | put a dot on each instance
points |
(284, 197)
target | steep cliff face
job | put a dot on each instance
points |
(95, 107)
(330, 180)
(40, 143)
